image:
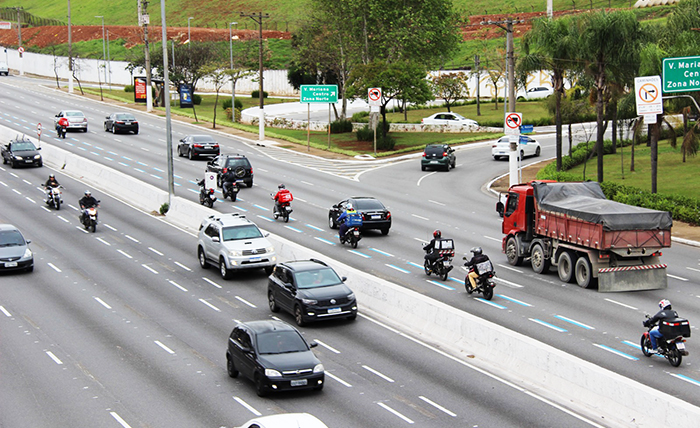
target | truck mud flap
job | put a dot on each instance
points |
(632, 278)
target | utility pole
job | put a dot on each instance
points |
(70, 54)
(507, 25)
(104, 64)
(19, 39)
(166, 100)
(147, 55)
(109, 64)
(233, 88)
(258, 18)
(477, 63)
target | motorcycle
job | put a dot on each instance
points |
(352, 236)
(232, 191)
(442, 266)
(286, 209)
(206, 196)
(484, 282)
(89, 218)
(61, 130)
(53, 197)
(672, 345)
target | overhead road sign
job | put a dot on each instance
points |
(647, 92)
(681, 74)
(319, 94)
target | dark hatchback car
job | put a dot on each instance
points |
(275, 356)
(194, 146)
(14, 250)
(311, 291)
(440, 156)
(121, 122)
(238, 163)
(21, 152)
(374, 214)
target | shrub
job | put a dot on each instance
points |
(341, 126)
(256, 94)
(237, 112)
(129, 88)
(385, 143)
(360, 117)
(364, 134)
(227, 103)
(196, 99)
(164, 208)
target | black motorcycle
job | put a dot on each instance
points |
(232, 191)
(206, 196)
(484, 282)
(672, 345)
(89, 218)
(352, 236)
(442, 265)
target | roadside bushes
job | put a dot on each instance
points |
(227, 104)
(256, 94)
(341, 126)
(383, 142)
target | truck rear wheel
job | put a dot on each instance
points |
(512, 252)
(583, 272)
(565, 266)
(540, 264)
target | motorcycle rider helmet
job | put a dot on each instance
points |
(348, 207)
(87, 193)
(664, 304)
(477, 251)
(280, 187)
(52, 176)
(437, 234)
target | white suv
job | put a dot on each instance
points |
(233, 242)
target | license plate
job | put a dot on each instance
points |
(334, 310)
(255, 259)
(376, 217)
(298, 382)
(356, 232)
(445, 263)
(127, 123)
(28, 161)
(433, 161)
(11, 264)
(680, 346)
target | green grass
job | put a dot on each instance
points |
(531, 111)
(673, 176)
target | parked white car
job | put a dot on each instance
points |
(537, 93)
(528, 146)
(451, 119)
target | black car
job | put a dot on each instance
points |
(311, 291)
(438, 156)
(194, 146)
(238, 163)
(374, 213)
(275, 356)
(14, 250)
(21, 152)
(121, 122)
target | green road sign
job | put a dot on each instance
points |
(319, 94)
(681, 74)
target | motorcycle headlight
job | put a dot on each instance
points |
(309, 301)
(272, 373)
(319, 368)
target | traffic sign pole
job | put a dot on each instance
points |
(511, 127)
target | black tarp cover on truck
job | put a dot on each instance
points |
(587, 201)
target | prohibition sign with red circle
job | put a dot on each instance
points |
(21, 49)
(374, 94)
(648, 93)
(513, 121)
(38, 129)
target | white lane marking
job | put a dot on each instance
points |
(155, 251)
(621, 304)
(150, 268)
(677, 277)
(307, 183)
(30, 199)
(548, 325)
(53, 357)
(63, 219)
(436, 202)
(245, 301)
(696, 270)
(168, 350)
(360, 254)
(132, 238)
(420, 217)
(110, 228)
(28, 182)
(119, 419)
(52, 266)
(509, 268)
(339, 380)
(616, 352)
(493, 239)
(396, 268)
(327, 346)
(508, 283)
(395, 412)
(381, 252)
(211, 282)
(437, 406)
(104, 242)
(381, 375)
(124, 253)
(4, 311)
(102, 302)
(425, 176)
(177, 285)
(247, 406)
(210, 305)
(183, 266)
(574, 322)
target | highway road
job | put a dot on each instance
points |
(601, 328)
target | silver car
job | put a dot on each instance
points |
(76, 119)
(14, 250)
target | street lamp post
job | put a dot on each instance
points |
(103, 46)
(188, 28)
(258, 19)
(230, 46)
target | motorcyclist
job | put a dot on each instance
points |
(282, 196)
(349, 217)
(432, 253)
(477, 258)
(62, 127)
(87, 201)
(665, 313)
(50, 183)
(228, 179)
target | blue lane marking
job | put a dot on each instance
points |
(193, 191)
(314, 227)
(510, 299)
(177, 176)
(140, 170)
(546, 324)
(416, 265)
(158, 169)
(616, 352)
(127, 158)
(261, 207)
(488, 302)
(324, 240)
(113, 153)
(266, 218)
(240, 208)
(293, 228)
(381, 252)
(109, 159)
(576, 323)
(141, 163)
(440, 284)
(397, 268)
(632, 344)
(456, 280)
(360, 254)
(124, 164)
(156, 176)
(686, 378)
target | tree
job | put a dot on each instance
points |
(215, 71)
(495, 65)
(450, 87)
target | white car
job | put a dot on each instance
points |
(3, 68)
(285, 420)
(538, 92)
(527, 147)
(451, 119)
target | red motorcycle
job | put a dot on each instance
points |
(672, 345)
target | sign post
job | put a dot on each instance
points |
(374, 96)
(21, 62)
(38, 132)
(317, 94)
(511, 127)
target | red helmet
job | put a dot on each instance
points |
(437, 234)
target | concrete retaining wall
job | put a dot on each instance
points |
(606, 397)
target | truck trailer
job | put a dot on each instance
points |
(588, 239)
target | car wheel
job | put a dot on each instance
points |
(385, 231)
(298, 316)
(30, 268)
(249, 183)
(40, 164)
(190, 155)
(231, 367)
(225, 271)
(522, 154)
(136, 131)
(540, 264)
(583, 272)
(106, 129)
(331, 222)
(319, 388)
(260, 386)
(512, 252)
(268, 269)
(272, 303)
(565, 266)
(179, 152)
(202, 259)
(114, 130)
(352, 317)
(422, 168)
(496, 158)
(537, 152)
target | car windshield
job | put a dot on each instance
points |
(247, 231)
(317, 278)
(23, 145)
(125, 116)
(280, 342)
(368, 204)
(458, 116)
(434, 150)
(202, 138)
(74, 114)
(11, 238)
(232, 163)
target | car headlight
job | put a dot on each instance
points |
(309, 301)
(37, 156)
(27, 254)
(17, 157)
(270, 249)
(235, 253)
(275, 373)
(351, 296)
(319, 368)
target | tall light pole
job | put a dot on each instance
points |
(230, 47)
(188, 28)
(104, 65)
(166, 100)
(109, 64)
(258, 18)
(70, 54)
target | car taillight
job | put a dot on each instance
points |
(444, 154)
(197, 145)
(388, 215)
(120, 122)
(423, 154)
(216, 146)
(223, 171)
(251, 170)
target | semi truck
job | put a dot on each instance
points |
(586, 237)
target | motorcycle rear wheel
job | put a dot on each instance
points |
(286, 220)
(674, 357)
(426, 267)
(354, 243)
(93, 227)
(646, 346)
(488, 292)
(58, 204)
(444, 274)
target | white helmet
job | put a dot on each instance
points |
(665, 304)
